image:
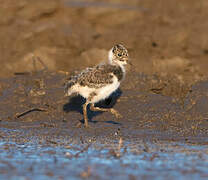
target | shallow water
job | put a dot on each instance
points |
(38, 161)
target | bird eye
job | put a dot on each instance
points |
(119, 54)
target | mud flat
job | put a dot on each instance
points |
(164, 129)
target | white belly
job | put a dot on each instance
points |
(83, 90)
(101, 93)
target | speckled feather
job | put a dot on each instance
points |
(96, 77)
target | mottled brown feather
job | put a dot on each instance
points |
(96, 77)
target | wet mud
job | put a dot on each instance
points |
(163, 132)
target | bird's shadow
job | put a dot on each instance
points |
(75, 104)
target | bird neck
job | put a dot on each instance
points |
(114, 63)
(110, 56)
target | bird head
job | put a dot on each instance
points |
(119, 55)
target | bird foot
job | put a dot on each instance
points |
(116, 113)
(79, 125)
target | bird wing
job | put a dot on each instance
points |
(96, 77)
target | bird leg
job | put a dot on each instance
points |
(113, 111)
(85, 114)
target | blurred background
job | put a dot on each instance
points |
(163, 36)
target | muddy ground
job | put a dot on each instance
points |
(163, 100)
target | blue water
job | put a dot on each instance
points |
(38, 161)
